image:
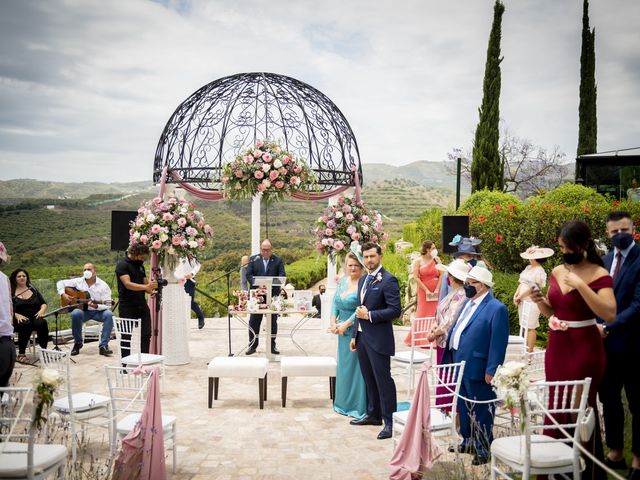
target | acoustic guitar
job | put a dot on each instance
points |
(81, 298)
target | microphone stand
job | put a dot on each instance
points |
(228, 276)
(56, 312)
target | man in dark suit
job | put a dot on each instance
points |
(479, 336)
(264, 265)
(621, 343)
(317, 301)
(372, 338)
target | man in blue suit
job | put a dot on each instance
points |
(479, 336)
(264, 265)
(372, 338)
(621, 343)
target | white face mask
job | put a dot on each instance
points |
(87, 274)
(434, 252)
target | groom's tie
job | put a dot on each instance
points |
(460, 324)
(365, 286)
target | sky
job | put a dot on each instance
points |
(86, 86)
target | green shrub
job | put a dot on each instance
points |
(504, 287)
(572, 195)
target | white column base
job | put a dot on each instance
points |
(176, 312)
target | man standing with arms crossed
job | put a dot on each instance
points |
(372, 338)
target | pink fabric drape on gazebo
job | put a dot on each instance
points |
(417, 450)
(142, 453)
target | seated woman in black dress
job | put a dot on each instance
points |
(28, 309)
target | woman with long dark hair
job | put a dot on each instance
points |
(579, 290)
(28, 309)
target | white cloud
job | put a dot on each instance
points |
(93, 83)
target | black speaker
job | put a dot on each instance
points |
(120, 224)
(452, 226)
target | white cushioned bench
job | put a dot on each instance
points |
(308, 367)
(238, 367)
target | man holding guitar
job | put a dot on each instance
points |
(92, 297)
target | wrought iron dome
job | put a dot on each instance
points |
(209, 128)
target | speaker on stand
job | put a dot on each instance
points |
(453, 225)
(120, 225)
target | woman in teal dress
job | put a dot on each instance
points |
(351, 392)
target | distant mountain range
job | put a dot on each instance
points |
(422, 172)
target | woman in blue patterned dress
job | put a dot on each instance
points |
(351, 392)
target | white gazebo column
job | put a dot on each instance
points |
(255, 224)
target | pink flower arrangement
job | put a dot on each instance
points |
(172, 228)
(345, 222)
(265, 167)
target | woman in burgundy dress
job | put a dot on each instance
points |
(579, 290)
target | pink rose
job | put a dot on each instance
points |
(330, 241)
(349, 217)
(298, 169)
(328, 232)
(200, 242)
(248, 159)
(259, 143)
(259, 174)
(176, 239)
(283, 171)
(139, 222)
(192, 232)
(225, 179)
(346, 208)
(200, 223)
(261, 187)
(374, 238)
(182, 222)
(165, 207)
(167, 217)
(355, 236)
(257, 153)
(340, 200)
(338, 245)
(279, 184)
(273, 175)
(144, 239)
(173, 200)
(331, 224)
(294, 181)
(184, 243)
(267, 157)
(319, 245)
(208, 230)
(238, 173)
(365, 218)
(351, 229)
(155, 228)
(156, 244)
(286, 159)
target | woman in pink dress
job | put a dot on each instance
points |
(579, 290)
(427, 279)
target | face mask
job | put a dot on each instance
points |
(87, 274)
(470, 291)
(622, 240)
(472, 262)
(434, 252)
(572, 258)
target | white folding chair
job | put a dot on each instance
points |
(444, 387)
(128, 345)
(413, 359)
(20, 456)
(79, 407)
(535, 453)
(128, 392)
(535, 365)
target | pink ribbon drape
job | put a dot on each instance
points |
(417, 451)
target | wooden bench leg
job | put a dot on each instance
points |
(210, 391)
(215, 387)
(265, 388)
(332, 388)
(261, 392)
(284, 392)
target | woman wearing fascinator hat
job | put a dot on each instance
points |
(351, 392)
(532, 277)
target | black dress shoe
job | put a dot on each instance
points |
(200, 324)
(76, 349)
(106, 351)
(479, 460)
(366, 421)
(634, 474)
(615, 464)
(462, 449)
(275, 351)
(385, 433)
(251, 351)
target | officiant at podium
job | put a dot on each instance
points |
(265, 264)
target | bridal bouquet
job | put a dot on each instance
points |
(512, 381)
(172, 228)
(346, 222)
(46, 386)
(266, 168)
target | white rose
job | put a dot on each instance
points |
(193, 244)
(277, 164)
(266, 167)
(365, 228)
(164, 237)
(50, 376)
(339, 215)
(171, 251)
(183, 211)
(151, 218)
(136, 235)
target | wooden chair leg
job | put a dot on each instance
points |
(332, 388)
(210, 391)
(261, 392)
(284, 392)
(215, 387)
(265, 388)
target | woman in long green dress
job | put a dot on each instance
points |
(351, 393)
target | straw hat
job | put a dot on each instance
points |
(481, 275)
(4, 256)
(456, 268)
(534, 253)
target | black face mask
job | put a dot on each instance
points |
(622, 240)
(572, 258)
(470, 291)
(473, 262)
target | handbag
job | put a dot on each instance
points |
(587, 424)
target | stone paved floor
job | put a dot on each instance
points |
(237, 440)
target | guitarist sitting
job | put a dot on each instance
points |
(97, 295)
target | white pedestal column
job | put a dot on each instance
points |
(255, 224)
(176, 309)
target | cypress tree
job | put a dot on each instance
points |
(588, 122)
(486, 168)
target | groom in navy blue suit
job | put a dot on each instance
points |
(621, 341)
(372, 338)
